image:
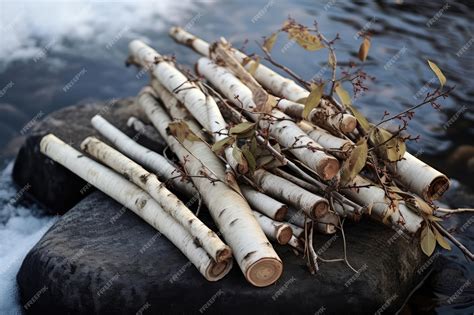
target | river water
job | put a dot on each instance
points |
(54, 54)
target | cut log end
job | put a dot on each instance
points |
(437, 188)
(320, 209)
(224, 254)
(283, 234)
(264, 272)
(348, 123)
(328, 168)
(280, 214)
(218, 270)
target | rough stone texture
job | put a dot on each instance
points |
(101, 258)
(50, 184)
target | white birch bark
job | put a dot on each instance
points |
(203, 107)
(151, 160)
(231, 212)
(274, 230)
(421, 178)
(273, 82)
(136, 200)
(323, 115)
(297, 231)
(209, 240)
(284, 130)
(293, 195)
(264, 204)
(398, 215)
(342, 147)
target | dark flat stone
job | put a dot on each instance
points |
(101, 258)
(51, 184)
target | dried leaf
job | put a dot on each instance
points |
(438, 72)
(434, 218)
(343, 94)
(428, 241)
(355, 163)
(220, 145)
(313, 99)
(249, 157)
(237, 154)
(364, 49)
(181, 131)
(305, 39)
(441, 240)
(241, 128)
(387, 146)
(254, 65)
(264, 160)
(270, 41)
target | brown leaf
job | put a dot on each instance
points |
(355, 163)
(181, 131)
(364, 49)
(428, 241)
(313, 99)
(241, 128)
(270, 41)
(219, 146)
(441, 240)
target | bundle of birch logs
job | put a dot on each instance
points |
(243, 144)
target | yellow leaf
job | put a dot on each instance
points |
(364, 49)
(241, 128)
(270, 41)
(438, 72)
(355, 163)
(254, 65)
(428, 241)
(305, 39)
(220, 145)
(313, 99)
(441, 240)
(343, 94)
(387, 146)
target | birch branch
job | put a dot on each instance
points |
(136, 200)
(151, 160)
(204, 236)
(232, 214)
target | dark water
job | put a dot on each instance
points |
(404, 35)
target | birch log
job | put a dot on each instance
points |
(151, 160)
(274, 230)
(297, 231)
(283, 129)
(323, 115)
(203, 107)
(136, 200)
(264, 204)
(275, 83)
(204, 236)
(232, 214)
(398, 214)
(421, 178)
(293, 195)
(341, 147)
